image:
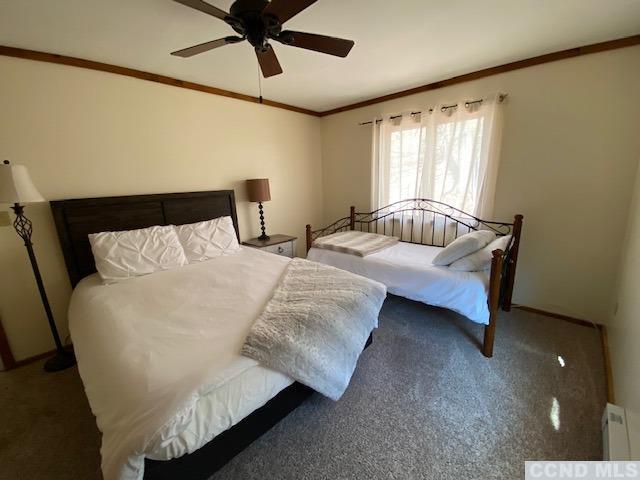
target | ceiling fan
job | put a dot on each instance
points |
(259, 21)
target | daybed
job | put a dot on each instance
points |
(424, 227)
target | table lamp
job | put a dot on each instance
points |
(17, 188)
(259, 192)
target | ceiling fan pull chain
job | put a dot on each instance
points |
(260, 83)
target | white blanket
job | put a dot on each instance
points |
(406, 270)
(316, 325)
(151, 349)
(355, 242)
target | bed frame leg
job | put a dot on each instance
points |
(489, 335)
(493, 301)
(517, 231)
(309, 240)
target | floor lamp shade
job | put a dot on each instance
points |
(258, 189)
(16, 185)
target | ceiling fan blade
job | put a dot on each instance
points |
(283, 10)
(205, 8)
(319, 43)
(205, 47)
(268, 61)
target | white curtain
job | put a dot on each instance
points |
(446, 154)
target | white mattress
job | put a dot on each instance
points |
(159, 356)
(406, 270)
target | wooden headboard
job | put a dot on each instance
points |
(76, 219)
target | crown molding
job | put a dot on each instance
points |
(487, 72)
(467, 77)
(151, 77)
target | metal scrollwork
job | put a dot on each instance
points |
(418, 220)
(22, 224)
(338, 226)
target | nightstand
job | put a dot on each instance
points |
(279, 244)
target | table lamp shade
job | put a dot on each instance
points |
(16, 185)
(258, 189)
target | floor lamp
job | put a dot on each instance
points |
(17, 188)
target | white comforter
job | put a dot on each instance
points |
(406, 270)
(151, 349)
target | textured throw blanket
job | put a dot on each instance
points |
(316, 325)
(355, 242)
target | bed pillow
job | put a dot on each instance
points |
(463, 246)
(210, 239)
(481, 260)
(131, 253)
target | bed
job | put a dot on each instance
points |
(424, 227)
(153, 384)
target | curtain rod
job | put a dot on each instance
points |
(444, 108)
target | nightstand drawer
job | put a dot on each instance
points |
(279, 244)
(285, 249)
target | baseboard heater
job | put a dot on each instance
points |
(620, 434)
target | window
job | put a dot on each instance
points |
(456, 163)
(405, 163)
(449, 156)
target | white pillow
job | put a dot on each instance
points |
(122, 255)
(463, 246)
(481, 260)
(204, 240)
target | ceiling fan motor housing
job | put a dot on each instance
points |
(258, 28)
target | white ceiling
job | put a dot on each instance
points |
(400, 44)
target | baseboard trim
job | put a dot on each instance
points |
(40, 356)
(8, 362)
(608, 371)
(34, 358)
(566, 318)
(604, 341)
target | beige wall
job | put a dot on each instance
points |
(85, 133)
(624, 328)
(569, 155)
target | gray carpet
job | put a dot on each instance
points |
(424, 403)
(46, 428)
